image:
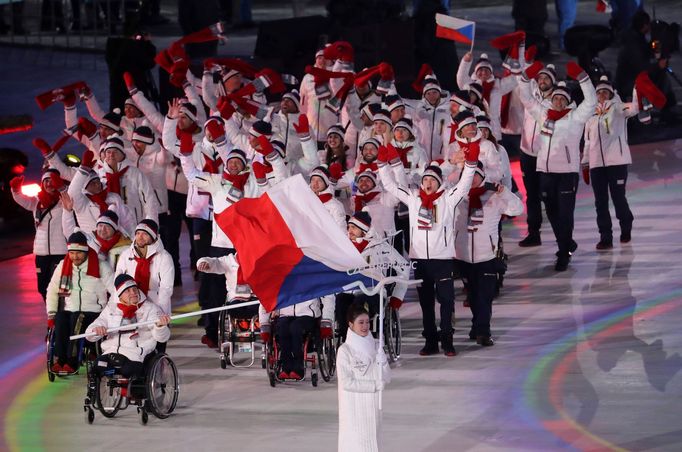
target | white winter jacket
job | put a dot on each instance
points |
(162, 272)
(88, 294)
(431, 123)
(49, 239)
(501, 87)
(136, 191)
(438, 241)
(560, 152)
(530, 133)
(417, 161)
(489, 157)
(335, 208)
(136, 344)
(476, 236)
(153, 163)
(606, 134)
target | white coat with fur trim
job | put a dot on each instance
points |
(136, 344)
(162, 272)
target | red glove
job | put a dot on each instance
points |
(392, 153)
(43, 146)
(303, 127)
(326, 329)
(382, 156)
(15, 183)
(533, 70)
(575, 72)
(395, 303)
(186, 143)
(472, 151)
(50, 322)
(69, 98)
(386, 71)
(260, 171)
(216, 130)
(225, 108)
(335, 171)
(57, 182)
(586, 174)
(88, 159)
(86, 127)
(130, 82)
(265, 336)
(531, 52)
(265, 147)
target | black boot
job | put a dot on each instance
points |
(430, 348)
(532, 239)
(485, 341)
(446, 343)
(604, 244)
(562, 262)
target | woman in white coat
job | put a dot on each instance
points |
(362, 374)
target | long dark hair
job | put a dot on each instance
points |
(331, 157)
(356, 310)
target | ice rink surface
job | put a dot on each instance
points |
(588, 359)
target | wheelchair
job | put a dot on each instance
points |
(84, 351)
(239, 333)
(393, 332)
(318, 353)
(109, 392)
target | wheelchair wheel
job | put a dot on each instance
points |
(49, 352)
(270, 352)
(108, 395)
(326, 356)
(393, 336)
(223, 337)
(163, 386)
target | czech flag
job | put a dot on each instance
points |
(288, 247)
(455, 29)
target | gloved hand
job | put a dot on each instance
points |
(15, 183)
(265, 333)
(386, 71)
(259, 171)
(335, 171)
(86, 127)
(586, 174)
(217, 131)
(532, 71)
(225, 108)
(379, 385)
(303, 127)
(381, 358)
(575, 72)
(392, 154)
(88, 159)
(326, 329)
(265, 147)
(50, 322)
(43, 147)
(186, 143)
(57, 182)
(68, 98)
(472, 152)
(395, 303)
(130, 83)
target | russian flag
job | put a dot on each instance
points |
(288, 246)
(455, 29)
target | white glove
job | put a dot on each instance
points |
(381, 358)
(379, 385)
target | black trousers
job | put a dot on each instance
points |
(45, 266)
(290, 331)
(201, 236)
(480, 279)
(558, 193)
(605, 180)
(129, 368)
(67, 323)
(217, 293)
(171, 228)
(531, 180)
(437, 276)
(402, 223)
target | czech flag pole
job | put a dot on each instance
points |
(455, 29)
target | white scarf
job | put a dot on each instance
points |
(364, 349)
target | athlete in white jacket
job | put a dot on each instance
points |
(559, 154)
(432, 210)
(607, 156)
(128, 305)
